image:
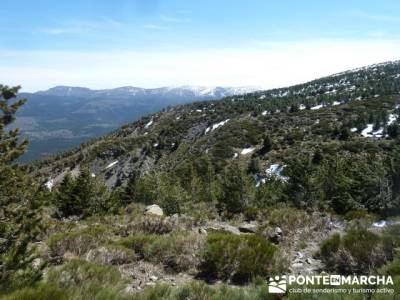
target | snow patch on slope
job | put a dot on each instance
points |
(216, 126)
(49, 184)
(316, 107)
(275, 170)
(111, 164)
(367, 131)
(247, 151)
(148, 124)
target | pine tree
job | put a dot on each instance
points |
(235, 188)
(19, 208)
(9, 147)
(318, 157)
(344, 134)
(336, 185)
(393, 165)
(82, 197)
(63, 200)
(267, 146)
(254, 166)
(294, 108)
(300, 188)
(130, 192)
(393, 130)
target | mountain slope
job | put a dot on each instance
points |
(299, 180)
(299, 119)
(61, 117)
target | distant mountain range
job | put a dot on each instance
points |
(130, 91)
(63, 116)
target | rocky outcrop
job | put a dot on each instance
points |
(275, 236)
(248, 228)
(222, 227)
(153, 210)
(111, 256)
(304, 263)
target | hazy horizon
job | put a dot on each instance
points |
(101, 45)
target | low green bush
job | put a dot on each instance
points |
(83, 280)
(359, 215)
(391, 241)
(138, 242)
(38, 292)
(151, 225)
(392, 268)
(289, 219)
(202, 291)
(330, 245)
(177, 252)
(111, 254)
(77, 242)
(359, 250)
(77, 272)
(238, 258)
(361, 244)
(76, 280)
(251, 213)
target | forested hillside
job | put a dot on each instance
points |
(342, 128)
(210, 200)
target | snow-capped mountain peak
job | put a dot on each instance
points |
(213, 92)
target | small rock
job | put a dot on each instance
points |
(248, 228)
(37, 262)
(309, 261)
(69, 256)
(202, 231)
(230, 229)
(297, 265)
(109, 256)
(153, 278)
(129, 289)
(153, 210)
(224, 227)
(150, 284)
(276, 235)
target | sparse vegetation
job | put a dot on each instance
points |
(237, 258)
(177, 252)
(359, 250)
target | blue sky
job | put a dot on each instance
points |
(103, 44)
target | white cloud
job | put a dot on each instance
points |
(58, 31)
(169, 19)
(269, 65)
(184, 11)
(154, 26)
(77, 26)
(374, 17)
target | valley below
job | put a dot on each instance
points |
(63, 117)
